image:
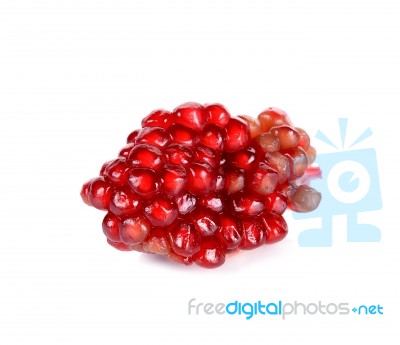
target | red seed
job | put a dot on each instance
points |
(212, 201)
(237, 135)
(234, 181)
(245, 204)
(275, 228)
(134, 230)
(229, 233)
(183, 135)
(178, 154)
(145, 156)
(205, 221)
(99, 193)
(155, 136)
(253, 234)
(276, 202)
(173, 179)
(132, 136)
(264, 180)
(144, 182)
(186, 203)
(203, 154)
(243, 159)
(126, 150)
(191, 115)
(184, 239)
(211, 253)
(85, 192)
(212, 137)
(117, 172)
(158, 118)
(202, 179)
(157, 242)
(120, 245)
(124, 202)
(217, 115)
(111, 227)
(161, 211)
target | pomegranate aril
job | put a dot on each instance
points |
(120, 245)
(161, 211)
(273, 117)
(85, 192)
(298, 162)
(304, 199)
(145, 156)
(124, 202)
(111, 227)
(104, 167)
(124, 152)
(201, 179)
(287, 136)
(132, 136)
(237, 135)
(134, 230)
(212, 201)
(184, 239)
(99, 193)
(144, 182)
(155, 136)
(180, 259)
(192, 115)
(205, 221)
(183, 135)
(275, 228)
(253, 234)
(185, 203)
(117, 172)
(203, 154)
(276, 202)
(158, 118)
(268, 142)
(280, 163)
(311, 154)
(264, 180)
(157, 242)
(246, 205)
(229, 232)
(234, 181)
(211, 253)
(217, 115)
(254, 125)
(212, 137)
(178, 154)
(243, 159)
(173, 179)
(304, 141)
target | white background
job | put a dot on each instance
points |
(77, 76)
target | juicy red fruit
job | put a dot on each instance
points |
(196, 184)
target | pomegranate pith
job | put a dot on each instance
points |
(195, 184)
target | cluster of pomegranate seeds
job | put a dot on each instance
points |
(195, 184)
